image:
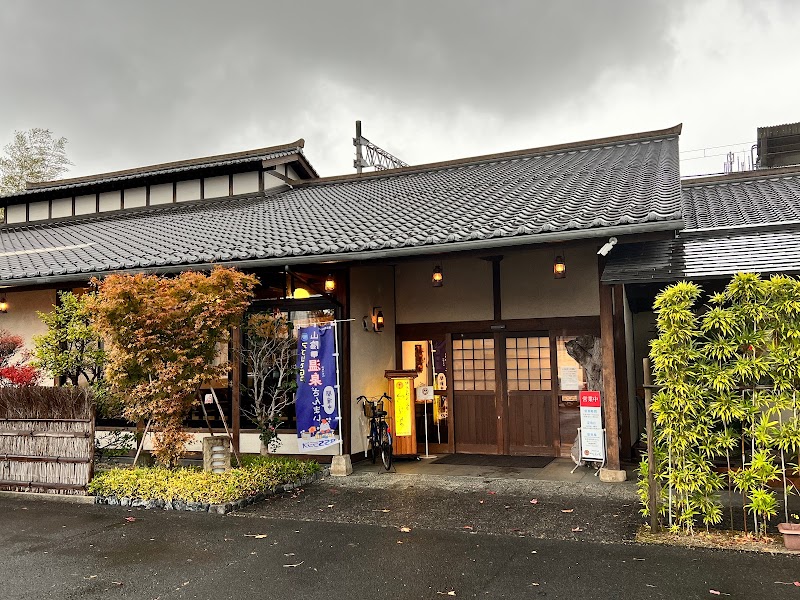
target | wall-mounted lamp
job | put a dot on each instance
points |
(437, 277)
(559, 267)
(330, 283)
(378, 321)
(3, 305)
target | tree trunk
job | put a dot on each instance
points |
(588, 352)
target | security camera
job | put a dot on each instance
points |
(612, 241)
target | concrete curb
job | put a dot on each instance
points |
(203, 507)
(37, 496)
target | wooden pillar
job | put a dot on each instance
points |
(621, 364)
(236, 385)
(609, 377)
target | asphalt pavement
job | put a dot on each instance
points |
(387, 538)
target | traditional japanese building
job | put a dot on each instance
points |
(472, 274)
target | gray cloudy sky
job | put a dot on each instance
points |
(136, 83)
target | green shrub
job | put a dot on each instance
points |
(192, 484)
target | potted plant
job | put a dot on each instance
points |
(791, 532)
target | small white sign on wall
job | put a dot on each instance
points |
(425, 393)
(569, 378)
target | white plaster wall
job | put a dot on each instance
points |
(272, 182)
(135, 197)
(38, 211)
(62, 208)
(161, 194)
(187, 190)
(291, 173)
(529, 290)
(465, 296)
(371, 354)
(215, 187)
(17, 213)
(110, 201)
(245, 183)
(249, 443)
(85, 205)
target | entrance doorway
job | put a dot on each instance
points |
(504, 397)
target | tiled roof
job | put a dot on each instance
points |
(707, 255)
(746, 221)
(208, 162)
(749, 198)
(630, 183)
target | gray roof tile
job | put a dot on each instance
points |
(740, 222)
(619, 181)
(750, 198)
(708, 255)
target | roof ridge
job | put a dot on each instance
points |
(542, 150)
(738, 176)
(298, 144)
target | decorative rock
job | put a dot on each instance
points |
(612, 475)
(341, 466)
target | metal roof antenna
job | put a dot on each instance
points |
(370, 155)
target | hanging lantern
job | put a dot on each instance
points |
(378, 320)
(3, 305)
(437, 277)
(559, 267)
(330, 283)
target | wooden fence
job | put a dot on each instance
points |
(46, 454)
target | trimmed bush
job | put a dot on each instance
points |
(192, 484)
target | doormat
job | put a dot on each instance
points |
(492, 460)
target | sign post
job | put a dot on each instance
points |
(592, 434)
(425, 394)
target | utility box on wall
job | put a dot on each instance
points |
(401, 412)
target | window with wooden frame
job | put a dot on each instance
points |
(473, 364)
(528, 363)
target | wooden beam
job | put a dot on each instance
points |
(236, 387)
(496, 291)
(609, 377)
(621, 363)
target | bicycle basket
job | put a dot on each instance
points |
(370, 407)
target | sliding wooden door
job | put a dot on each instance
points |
(532, 412)
(475, 406)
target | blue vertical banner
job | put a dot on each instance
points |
(317, 400)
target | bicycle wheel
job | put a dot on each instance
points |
(386, 448)
(374, 444)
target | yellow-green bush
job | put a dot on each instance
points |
(190, 484)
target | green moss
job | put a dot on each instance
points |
(195, 485)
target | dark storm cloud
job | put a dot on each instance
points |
(140, 82)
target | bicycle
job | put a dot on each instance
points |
(380, 437)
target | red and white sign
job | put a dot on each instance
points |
(592, 446)
(590, 399)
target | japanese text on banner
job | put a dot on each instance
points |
(317, 393)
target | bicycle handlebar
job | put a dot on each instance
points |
(383, 396)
